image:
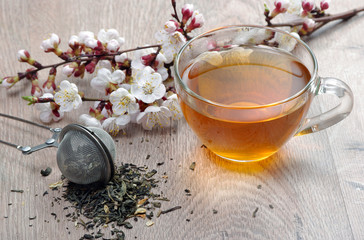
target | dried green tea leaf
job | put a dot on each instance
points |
(192, 166)
(46, 171)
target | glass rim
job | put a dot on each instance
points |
(195, 95)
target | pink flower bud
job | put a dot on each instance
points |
(281, 6)
(187, 12)
(36, 90)
(197, 21)
(90, 68)
(94, 44)
(49, 86)
(171, 26)
(8, 82)
(308, 5)
(23, 55)
(51, 43)
(324, 4)
(308, 24)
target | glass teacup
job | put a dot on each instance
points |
(246, 90)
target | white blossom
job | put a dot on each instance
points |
(121, 58)
(252, 36)
(46, 112)
(148, 86)
(67, 97)
(133, 116)
(171, 43)
(83, 35)
(308, 24)
(295, 7)
(51, 43)
(285, 41)
(154, 115)
(122, 102)
(172, 104)
(91, 42)
(90, 121)
(67, 70)
(108, 36)
(115, 123)
(74, 40)
(113, 45)
(105, 77)
(171, 26)
(142, 59)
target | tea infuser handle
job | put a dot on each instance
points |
(50, 142)
(343, 92)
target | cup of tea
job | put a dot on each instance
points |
(246, 90)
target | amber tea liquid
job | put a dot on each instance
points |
(242, 82)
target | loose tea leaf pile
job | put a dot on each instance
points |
(126, 196)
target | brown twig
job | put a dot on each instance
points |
(344, 16)
(85, 58)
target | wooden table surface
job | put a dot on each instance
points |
(313, 188)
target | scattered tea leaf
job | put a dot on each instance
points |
(32, 218)
(142, 202)
(88, 236)
(140, 211)
(125, 196)
(54, 214)
(151, 173)
(214, 211)
(259, 186)
(255, 212)
(56, 184)
(271, 206)
(156, 204)
(171, 209)
(106, 209)
(192, 166)
(46, 172)
(149, 223)
(16, 190)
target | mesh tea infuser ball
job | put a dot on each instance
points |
(85, 154)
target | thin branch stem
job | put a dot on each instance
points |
(89, 57)
(175, 15)
(326, 19)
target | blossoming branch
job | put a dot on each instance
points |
(138, 89)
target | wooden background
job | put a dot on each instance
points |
(315, 184)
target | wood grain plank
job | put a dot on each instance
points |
(311, 189)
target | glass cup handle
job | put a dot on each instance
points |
(327, 119)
